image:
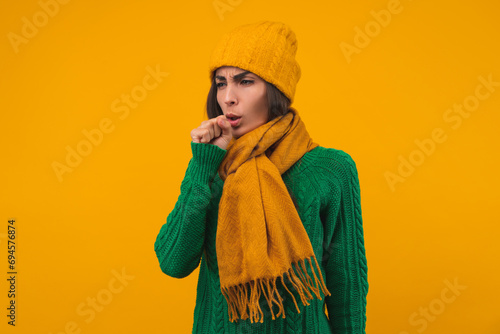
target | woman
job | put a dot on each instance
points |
(268, 211)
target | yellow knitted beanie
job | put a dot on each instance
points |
(265, 48)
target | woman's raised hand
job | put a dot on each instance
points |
(215, 131)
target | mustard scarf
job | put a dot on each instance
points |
(259, 232)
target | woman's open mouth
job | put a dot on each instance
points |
(234, 121)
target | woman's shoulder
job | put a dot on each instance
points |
(330, 169)
(330, 159)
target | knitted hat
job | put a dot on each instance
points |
(265, 48)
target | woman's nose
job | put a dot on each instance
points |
(230, 97)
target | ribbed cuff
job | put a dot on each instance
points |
(206, 160)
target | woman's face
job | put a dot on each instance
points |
(244, 94)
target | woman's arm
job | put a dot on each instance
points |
(179, 244)
(346, 266)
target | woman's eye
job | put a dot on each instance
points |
(219, 84)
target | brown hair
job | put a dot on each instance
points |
(278, 103)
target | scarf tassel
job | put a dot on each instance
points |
(237, 295)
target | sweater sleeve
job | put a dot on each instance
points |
(179, 243)
(346, 266)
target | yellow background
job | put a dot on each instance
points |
(438, 227)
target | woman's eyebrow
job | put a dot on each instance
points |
(237, 77)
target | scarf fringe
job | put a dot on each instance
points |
(237, 295)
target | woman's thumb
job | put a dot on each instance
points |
(225, 126)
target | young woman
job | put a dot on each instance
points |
(274, 217)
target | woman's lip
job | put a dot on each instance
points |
(234, 123)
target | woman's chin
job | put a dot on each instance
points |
(236, 134)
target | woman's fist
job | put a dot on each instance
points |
(215, 131)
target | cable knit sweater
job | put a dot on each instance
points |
(324, 186)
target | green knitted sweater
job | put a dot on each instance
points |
(324, 186)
